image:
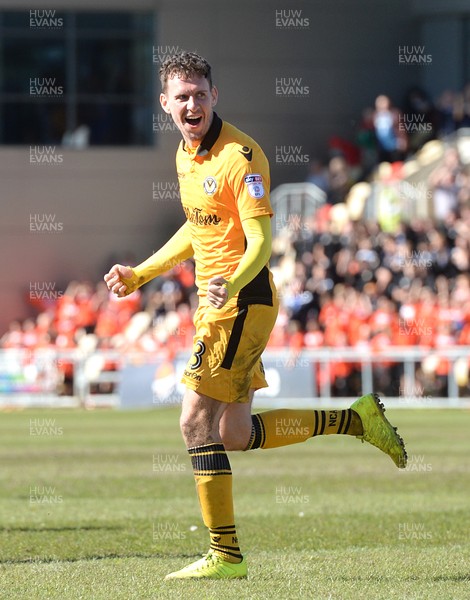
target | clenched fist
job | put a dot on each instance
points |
(115, 280)
(217, 292)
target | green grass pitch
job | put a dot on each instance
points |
(101, 505)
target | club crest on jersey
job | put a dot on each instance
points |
(209, 185)
(254, 183)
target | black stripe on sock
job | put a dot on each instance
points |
(316, 423)
(343, 416)
(223, 549)
(210, 458)
(251, 441)
(263, 431)
(226, 550)
(207, 473)
(218, 546)
(256, 432)
(226, 529)
(235, 337)
(348, 422)
(323, 422)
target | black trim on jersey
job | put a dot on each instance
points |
(211, 136)
(258, 291)
(235, 337)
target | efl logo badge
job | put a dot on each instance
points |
(255, 185)
(210, 186)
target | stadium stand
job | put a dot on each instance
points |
(383, 263)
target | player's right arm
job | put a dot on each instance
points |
(124, 280)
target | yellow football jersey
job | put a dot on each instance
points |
(224, 182)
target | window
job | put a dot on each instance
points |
(62, 70)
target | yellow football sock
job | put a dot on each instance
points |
(214, 489)
(283, 427)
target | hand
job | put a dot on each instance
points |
(114, 280)
(217, 293)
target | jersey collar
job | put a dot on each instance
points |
(211, 136)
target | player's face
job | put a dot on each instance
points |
(190, 103)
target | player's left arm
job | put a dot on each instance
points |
(257, 232)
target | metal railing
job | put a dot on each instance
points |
(36, 378)
(295, 199)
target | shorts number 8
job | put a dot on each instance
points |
(197, 354)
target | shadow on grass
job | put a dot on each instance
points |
(34, 560)
(455, 578)
(59, 529)
(381, 579)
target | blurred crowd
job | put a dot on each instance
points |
(386, 133)
(344, 281)
(361, 287)
(354, 286)
(87, 317)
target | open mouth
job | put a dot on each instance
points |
(194, 121)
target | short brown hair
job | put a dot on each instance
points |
(185, 64)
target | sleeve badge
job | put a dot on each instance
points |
(254, 183)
